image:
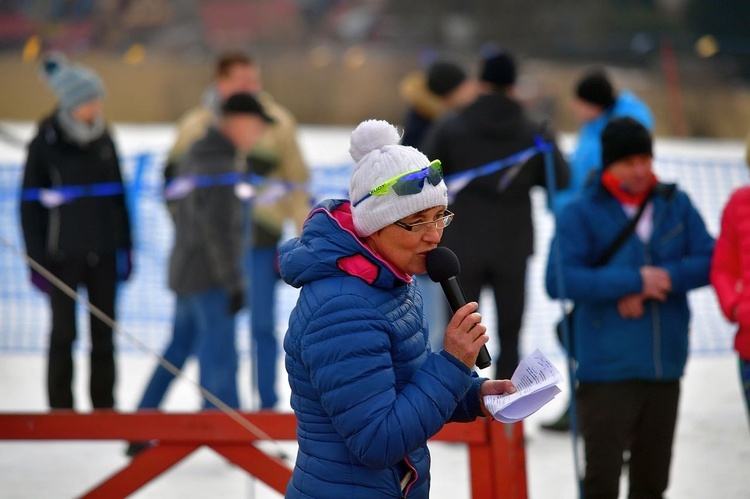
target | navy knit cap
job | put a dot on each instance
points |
(73, 84)
(499, 69)
(443, 77)
(596, 89)
(623, 137)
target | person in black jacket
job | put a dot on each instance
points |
(495, 207)
(75, 224)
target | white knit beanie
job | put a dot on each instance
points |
(378, 157)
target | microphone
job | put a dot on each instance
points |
(443, 267)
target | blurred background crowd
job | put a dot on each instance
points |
(339, 61)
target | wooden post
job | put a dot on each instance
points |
(671, 72)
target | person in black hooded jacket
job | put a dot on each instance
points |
(494, 207)
(76, 225)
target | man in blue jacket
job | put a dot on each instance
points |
(631, 320)
(595, 104)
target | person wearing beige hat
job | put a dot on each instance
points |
(367, 390)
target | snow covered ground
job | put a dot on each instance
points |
(711, 455)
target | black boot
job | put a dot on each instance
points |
(561, 424)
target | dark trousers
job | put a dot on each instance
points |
(98, 275)
(639, 416)
(508, 284)
(744, 367)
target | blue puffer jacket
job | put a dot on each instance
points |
(609, 347)
(588, 153)
(366, 390)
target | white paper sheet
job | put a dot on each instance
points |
(536, 380)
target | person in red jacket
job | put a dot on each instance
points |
(730, 277)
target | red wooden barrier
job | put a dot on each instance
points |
(496, 451)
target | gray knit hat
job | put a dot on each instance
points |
(73, 84)
(374, 147)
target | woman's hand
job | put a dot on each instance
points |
(465, 334)
(494, 387)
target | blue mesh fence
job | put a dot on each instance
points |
(708, 171)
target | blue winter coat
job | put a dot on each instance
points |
(588, 153)
(366, 389)
(609, 347)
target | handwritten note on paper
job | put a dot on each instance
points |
(536, 380)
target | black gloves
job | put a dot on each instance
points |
(40, 282)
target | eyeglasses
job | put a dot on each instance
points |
(422, 227)
(408, 183)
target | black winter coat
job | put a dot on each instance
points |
(85, 225)
(493, 221)
(208, 230)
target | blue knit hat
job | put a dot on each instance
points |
(73, 84)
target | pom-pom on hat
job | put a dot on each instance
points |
(73, 84)
(623, 137)
(596, 89)
(444, 77)
(499, 69)
(378, 156)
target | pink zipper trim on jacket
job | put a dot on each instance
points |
(413, 480)
(343, 219)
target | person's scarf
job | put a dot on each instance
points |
(79, 132)
(614, 186)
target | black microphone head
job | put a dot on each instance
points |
(442, 264)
